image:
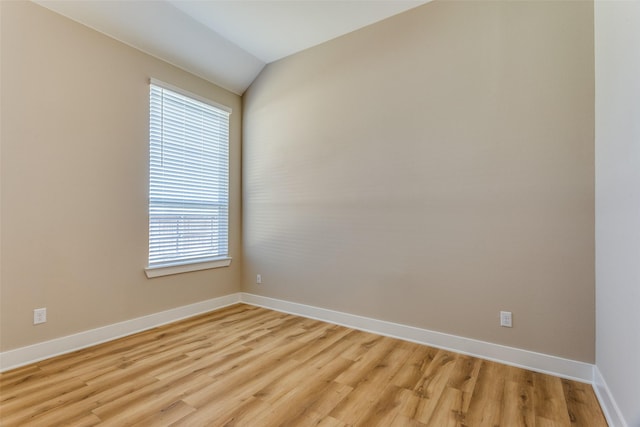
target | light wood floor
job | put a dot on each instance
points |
(248, 366)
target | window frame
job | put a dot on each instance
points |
(183, 266)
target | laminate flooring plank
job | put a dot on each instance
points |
(38, 400)
(408, 407)
(365, 342)
(369, 389)
(402, 421)
(249, 412)
(205, 364)
(241, 383)
(305, 382)
(214, 403)
(372, 353)
(582, 404)
(431, 386)
(20, 375)
(518, 398)
(330, 422)
(92, 397)
(413, 370)
(464, 377)
(550, 403)
(385, 409)
(448, 409)
(328, 343)
(168, 414)
(290, 397)
(323, 403)
(89, 420)
(486, 406)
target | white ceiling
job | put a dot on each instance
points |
(273, 29)
(227, 42)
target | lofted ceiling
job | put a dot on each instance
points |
(227, 42)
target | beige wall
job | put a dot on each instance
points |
(432, 170)
(74, 180)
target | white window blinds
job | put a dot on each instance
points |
(188, 179)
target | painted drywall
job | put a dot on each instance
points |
(617, 136)
(431, 170)
(74, 132)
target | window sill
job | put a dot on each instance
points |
(185, 268)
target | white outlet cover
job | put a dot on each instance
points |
(39, 316)
(506, 319)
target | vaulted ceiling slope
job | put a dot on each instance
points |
(226, 42)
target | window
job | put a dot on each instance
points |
(188, 182)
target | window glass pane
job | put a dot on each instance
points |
(188, 179)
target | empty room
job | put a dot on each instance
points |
(320, 213)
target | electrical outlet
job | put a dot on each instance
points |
(506, 319)
(39, 316)
(259, 278)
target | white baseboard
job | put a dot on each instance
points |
(44, 350)
(511, 356)
(564, 368)
(607, 402)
